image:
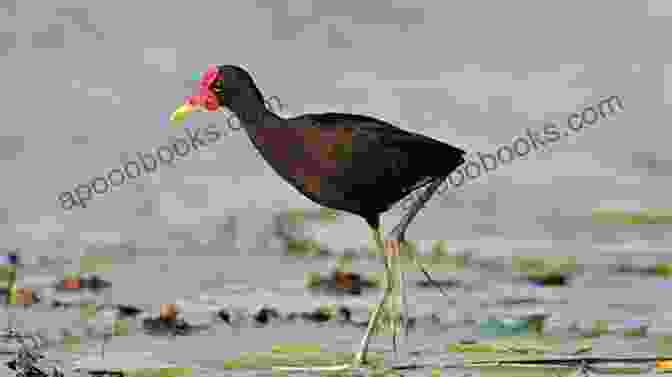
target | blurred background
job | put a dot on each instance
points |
(85, 86)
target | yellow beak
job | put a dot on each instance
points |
(181, 113)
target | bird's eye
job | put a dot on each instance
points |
(217, 87)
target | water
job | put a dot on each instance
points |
(203, 277)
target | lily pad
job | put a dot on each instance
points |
(519, 345)
(296, 348)
(525, 371)
(94, 263)
(534, 266)
(323, 215)
(663, 345)
(7, 276)
(440, 255)
(160, 372)
(271, 360)
(71, 343)
(663, 269)
(645, 216)
(439, 259)
(308, 248)
(328, 215)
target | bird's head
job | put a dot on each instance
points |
(220, 87)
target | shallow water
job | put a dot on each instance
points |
(205, 277)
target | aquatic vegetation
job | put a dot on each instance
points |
(543, 271)
(305, 248)
(533, 344)
(7, 276)
(343, 263)
(295, 357)
(644, 216)
(629, 328)
(325, 311)
(87, 311)
(157, 372)
(94, 263)
(663, 269)
(600, 327)
(296, 348)
(663, 345)
(71, 343)
(313, 279)
(328, 215)
(438, 259)
(299, 216)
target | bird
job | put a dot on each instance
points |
(348, 162)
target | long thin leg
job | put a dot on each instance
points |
(399, 232)
(404, 301)
(393, 253)
(361, 355)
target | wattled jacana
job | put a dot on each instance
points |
(348, 162)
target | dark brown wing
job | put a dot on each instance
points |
(353, 163)
(386, 162)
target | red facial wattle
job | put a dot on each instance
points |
(205, 97)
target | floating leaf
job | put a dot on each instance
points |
(344, 263)
(644, 216)
(295, 216)
(663, 269)
(519, 345)
(663, 345)
(296, 348)
(328, 215)
(541, 266)
(328, 311)
(525, 371)
(7, 276)
(376, 278)
(71, 343)
(312, 279)
(87, 311)
(303, 248)
(158, 372)
(269, 360)
(120, 328)
(600, 327)
(94, 263)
